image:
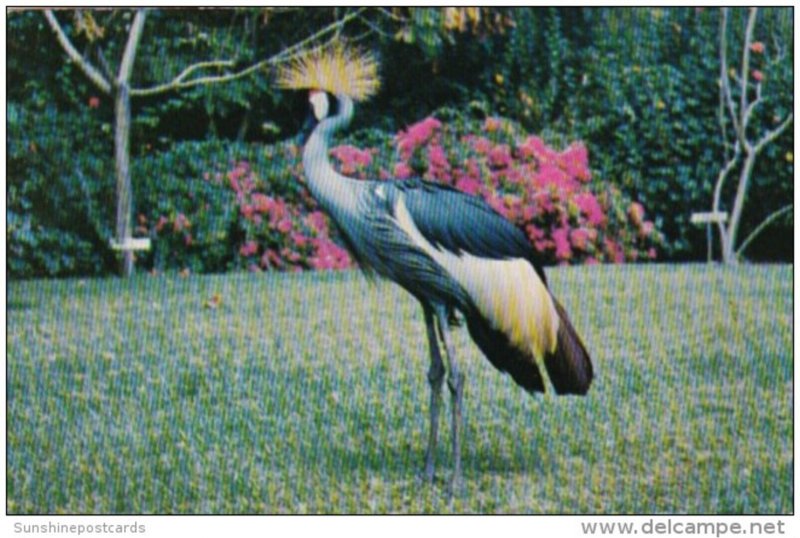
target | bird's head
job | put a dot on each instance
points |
(335, 76)
(321, 105)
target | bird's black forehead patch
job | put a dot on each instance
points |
(333, 104)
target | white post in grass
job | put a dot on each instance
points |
(130, 245)
(709, 218)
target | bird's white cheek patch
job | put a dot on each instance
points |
(319, 102)
(508, 293)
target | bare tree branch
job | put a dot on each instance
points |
(780, 51)
(744, 110)
(104, 65)
(766, 222)
(128, 57)
(748, 112)
(721, 178)
(88, 69)
(723, 76)
(385, 12)
(180, 82)
(772, 135)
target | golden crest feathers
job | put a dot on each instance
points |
(337, 69)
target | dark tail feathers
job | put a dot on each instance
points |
(569, 367)
(503, 355)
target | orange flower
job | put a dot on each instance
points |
(757, 47)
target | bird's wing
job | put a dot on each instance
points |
(382, 247)
(459, 222)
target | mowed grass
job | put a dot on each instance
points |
(307, 393)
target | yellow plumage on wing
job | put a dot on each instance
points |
(337, 69)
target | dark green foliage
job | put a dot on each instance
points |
(637, 86)
(641, 90)
(59, 193)
(190, 182)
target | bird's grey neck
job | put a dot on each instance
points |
(335, 192)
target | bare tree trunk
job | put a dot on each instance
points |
(729, 248)
(122, 129)
(742, 145)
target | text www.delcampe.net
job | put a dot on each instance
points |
(672, 527)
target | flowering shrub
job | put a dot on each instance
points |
(281, 235)
(258, 215)
(270, 233)
(547, 193)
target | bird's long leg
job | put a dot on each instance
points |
(455, 382)
(436, 380)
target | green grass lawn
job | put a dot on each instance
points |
(307, 393)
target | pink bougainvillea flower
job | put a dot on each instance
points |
(162, 221)
(248, 249)
(551, 176)
(561, 240)
(94, 102)
(239, 179)
(292, 255)
(544, 202)
(498, 203)
(278, 211)
(402, 171)
(317, 222)
(437, 158)
(651, 253)
(247, 211)
(469, 185)
(757, 47)
(647, 228)
(535, 147)
(500, 156)
(481, 145)
(757, 75)
(579, 238)
(261, 202)
(614, 250)
(534, 232)
(328, 255)
(351, 158)
(299, 239)
(270, 258)
(181, 222)
(417, 135)
(528, 213)
(284, 225)
(575, 162)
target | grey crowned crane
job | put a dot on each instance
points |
(450, 250)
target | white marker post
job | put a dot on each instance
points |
(131, 244)
(708, 218)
